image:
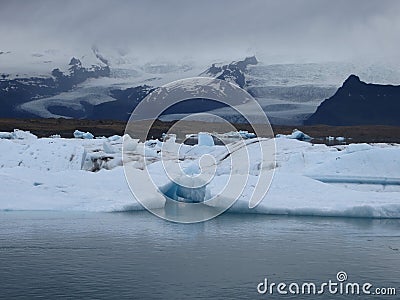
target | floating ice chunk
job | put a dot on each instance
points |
(299, 135)
(171, 147)
(188, 194)
(330, 138)
(296, 135)
(55, 136)
(358, 147)
(169, 137)
(114, 138)
(129, 143)
(108, 148)
(88, 136)
(78, 134)
(6, 135)
(205, 139)
(247, 135)
(340, 139)
(150, 152)
(225, 138)
(192, 169)
(156, 144)
(83, 135)
(189, 189)
(96, 161)
(23, 135)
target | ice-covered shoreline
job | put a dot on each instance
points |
(356, 180)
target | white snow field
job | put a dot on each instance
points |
(83, 174)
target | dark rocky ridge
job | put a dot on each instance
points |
(233, 72)
(359, 103)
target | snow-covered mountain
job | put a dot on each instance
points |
(55, 83)
(17, 91)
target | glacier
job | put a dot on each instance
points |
(355, 180)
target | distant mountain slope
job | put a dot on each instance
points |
(45, 96)
(14, 92)
(107, 85)
(359, 103)
(128, 99)
(121, 108)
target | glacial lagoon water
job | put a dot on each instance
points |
(136, 255)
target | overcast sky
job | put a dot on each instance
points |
(288, 29)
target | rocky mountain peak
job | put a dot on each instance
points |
(75, 62)
(352, 80)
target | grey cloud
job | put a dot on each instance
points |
(311, 29)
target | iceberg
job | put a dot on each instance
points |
(17, 135)
(190, 191)
(297, 135)
(205, 139)
(355, 180)
(114, 138)
(6, 135)
(129, 143)
(83, 135)
(247, 135)
(108, 148)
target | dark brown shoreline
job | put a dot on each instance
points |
(66, 127)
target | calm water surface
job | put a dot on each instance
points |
(73, 255)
